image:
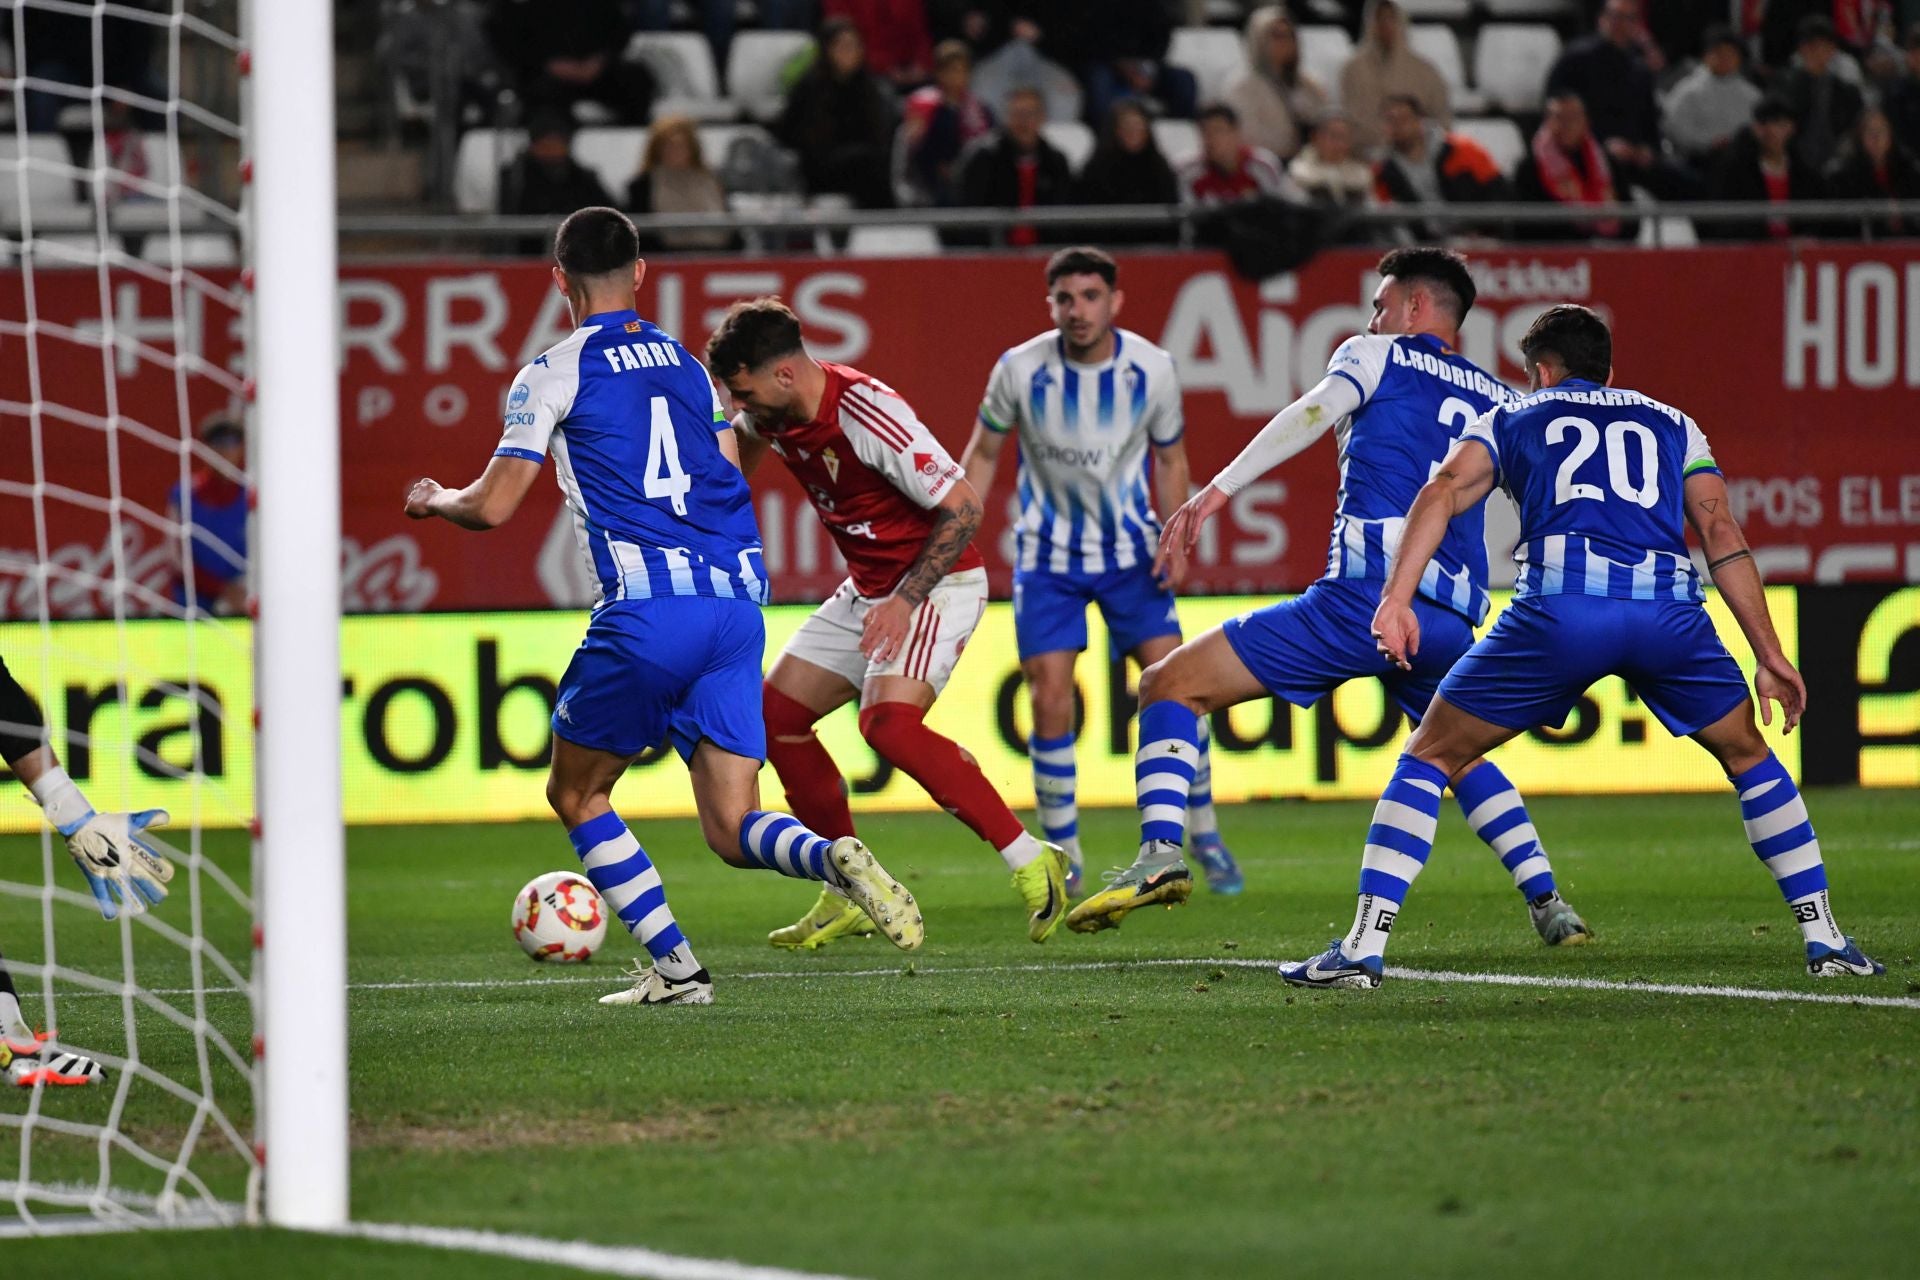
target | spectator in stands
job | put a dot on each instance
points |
(1609, 73)
(895, 31)
(1714, 102)
(1566, 165)
(1824, 106)
(1118, 48)
(1327, 170)
(1128, 168)
(1855, 23)
(1275, 99)
(674, 178)
(1383, 65)
(1015, 168)
(58, 47)
(214, 505)
(839, 119)
(1762, 166)
(1425, 164)
(1231, 168)
(1902, 102)
(942, 120)
(1015, 63)
(1678, 29)
(546, 179)
(562, 54)
(1876, 167)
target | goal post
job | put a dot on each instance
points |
(300, 859)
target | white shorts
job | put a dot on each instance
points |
(936, 634)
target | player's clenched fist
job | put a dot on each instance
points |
(420, 498)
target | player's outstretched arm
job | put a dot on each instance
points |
(954, 521)
(487, 503)
(1738, 578)
(1465, 478)
(1286, 433)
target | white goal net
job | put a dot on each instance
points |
(125, 496)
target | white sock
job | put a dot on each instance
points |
(1201, 818)
(1372, 922)
(1158, 853)
(66, 808)
(678, 963)
(1817, 924)
(1022, 851)
(13, 1026)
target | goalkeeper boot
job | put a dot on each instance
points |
(831, 917)
(1332, 968)
(55, 1069)
(1824, 961)
(1558, 924)
(1042, 885)
(874, 890)
(1129, 888)
(650, 986)
(1217, 864)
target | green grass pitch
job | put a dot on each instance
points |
(986, 1107)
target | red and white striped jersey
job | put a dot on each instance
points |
(874, 473)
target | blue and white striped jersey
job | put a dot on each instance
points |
(1416, 396)
(1085, 482)
(633, 421)
(1597, 475)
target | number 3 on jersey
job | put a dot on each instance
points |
(1587, 442)
(663, 477)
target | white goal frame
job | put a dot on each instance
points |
(300, 853)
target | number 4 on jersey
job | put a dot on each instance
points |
(663, 477)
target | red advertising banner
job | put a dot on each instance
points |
(1801, 363)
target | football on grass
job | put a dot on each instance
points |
(559, 918)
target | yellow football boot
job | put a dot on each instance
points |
(831, 917)
(1136, 886)
(1042, 885)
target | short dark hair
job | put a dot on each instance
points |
(1770, 109)
(1218, 111)
(1720, 34)
(1082, 260)
(1575, 336)
(1443, 271)
(596, 241)
(752, 334)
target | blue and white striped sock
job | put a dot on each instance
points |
(1398, 843)
(1782, 835)
(1163, 770)
(620, 869)
(1201, 819)
(778, 842)
(1497, 815)
(1053, 788)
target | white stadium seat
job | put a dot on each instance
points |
(44, 168)
(1505, 9)
(1440, 46)
(682, 67)
(754, 63)
(613, 155)
(1072, 139)
(476, 167)
(1437, 10)
(1511, 61)
(892, 242)
(1179, 141)
(1500, 136)
(1214, 54)
(197, 249)
(1323, 52)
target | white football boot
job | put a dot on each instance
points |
(650, 986)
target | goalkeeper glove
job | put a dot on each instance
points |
(126, 872)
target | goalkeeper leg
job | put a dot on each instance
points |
(126, 870)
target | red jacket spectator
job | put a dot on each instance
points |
(898, 46)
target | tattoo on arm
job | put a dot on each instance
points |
(1714, 566)
(953, 529)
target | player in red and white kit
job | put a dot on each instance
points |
(902, 513)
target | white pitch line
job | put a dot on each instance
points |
(1093, 966)
(617, 1260)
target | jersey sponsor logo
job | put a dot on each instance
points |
(1384, 923)
(1067, 455)
(925, 465)
(860, 529)
(520, 419)
(519, 395)
(1806, 912)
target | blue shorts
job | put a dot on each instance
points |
(1050, 609)
(1309, 646)
(672, 668)
(1545, 651)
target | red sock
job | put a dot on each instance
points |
(816, 793)
(897, 730)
